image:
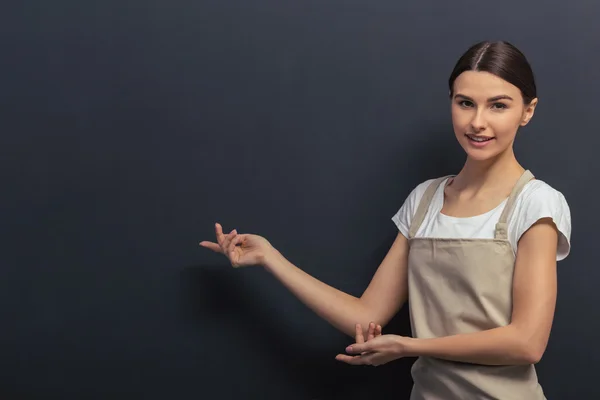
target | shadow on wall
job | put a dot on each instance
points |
(212, 293)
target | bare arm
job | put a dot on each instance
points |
(384, 296)
(524, 340)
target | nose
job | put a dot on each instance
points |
(478, 123)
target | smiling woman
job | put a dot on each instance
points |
(475, 255)
(493, 91)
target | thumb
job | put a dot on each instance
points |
(358, 348)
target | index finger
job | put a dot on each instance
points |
(212, 246)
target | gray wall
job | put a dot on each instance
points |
(129, 128)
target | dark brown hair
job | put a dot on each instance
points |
(501, 59)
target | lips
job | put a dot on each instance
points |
(479, 138)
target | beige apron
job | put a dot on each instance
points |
(461, 286)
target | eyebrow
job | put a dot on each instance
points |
(491, 99)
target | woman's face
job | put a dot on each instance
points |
(486, 114)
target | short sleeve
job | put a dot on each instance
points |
(543, 201)
(403, 217)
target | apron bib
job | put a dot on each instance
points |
(462, 286)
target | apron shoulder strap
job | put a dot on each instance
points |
(502, 225)
(424, 205)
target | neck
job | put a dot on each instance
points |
(482, 173)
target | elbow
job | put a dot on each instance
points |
(530, 357)
(532, 351)
(369, 313)
(533, 355)
(530, 345)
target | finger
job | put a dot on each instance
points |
(212, 246)
(219, 232)
(242, 238)
(227, 241)
(378, 330)
(233, 243)
(355, 360)
(358, 348)
(352, 360)
(359, 337)
(371, 334)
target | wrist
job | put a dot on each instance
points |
(408, 346)
(270, 259)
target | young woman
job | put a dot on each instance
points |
(475, 255)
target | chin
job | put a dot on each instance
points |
(481, 157)
(480, 154)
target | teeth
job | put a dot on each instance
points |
(478, 139)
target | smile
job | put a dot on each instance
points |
(479, 139)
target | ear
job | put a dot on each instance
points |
(528, 112)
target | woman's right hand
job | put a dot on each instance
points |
(241, 250)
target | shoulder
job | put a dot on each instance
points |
(417, 193)
(540, 200)
(539, 195)
(404, 215)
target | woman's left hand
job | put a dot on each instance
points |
(378, 350)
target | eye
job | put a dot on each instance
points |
(465, 103)
(499, 106)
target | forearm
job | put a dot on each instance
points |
(499, 346)
(340, 309)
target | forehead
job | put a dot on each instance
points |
(484, 85)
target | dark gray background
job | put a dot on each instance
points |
(130, 128)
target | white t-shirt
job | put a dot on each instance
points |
(536, 200)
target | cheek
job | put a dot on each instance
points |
(460, 118)
(455, 116)
(506, 125)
